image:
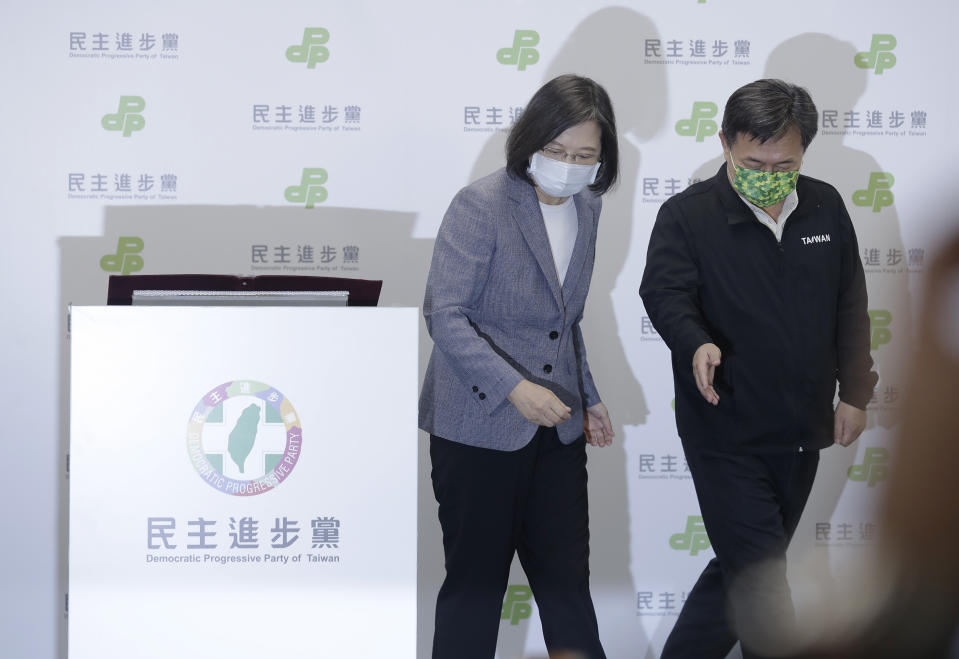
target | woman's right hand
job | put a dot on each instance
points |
(538, 404)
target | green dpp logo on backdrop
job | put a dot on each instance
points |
(878, 192)
(879, 327)
(517, 604)
(310, 190)
(701, 122)
(521, 54)
(693, 539)
(311, 50)
(244, 438)
(127, 118)
(873, 467)
(127, 259)
(879, 57)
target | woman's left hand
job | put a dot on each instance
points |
(599, 430)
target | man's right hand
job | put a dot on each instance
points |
(538, 404)
(707, 357)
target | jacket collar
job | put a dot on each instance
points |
(584, 236)
(528, 216)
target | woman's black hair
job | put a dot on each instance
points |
(562, 103)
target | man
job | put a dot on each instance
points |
(753, 280)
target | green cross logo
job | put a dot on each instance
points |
(879, 322)
(311, 50)
(516, 604)
(310, 190)
(878, 193)
(873, 467)
(879, 57)
(693, 539)
(522, 53)
(127, 259)
(127, 118)
(701, 122)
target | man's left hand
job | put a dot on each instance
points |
(599, 430)
(850, 421)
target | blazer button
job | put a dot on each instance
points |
(548, 368)
(554, 335)
(482, 396)
(475, 389)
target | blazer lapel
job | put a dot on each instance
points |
(527, 215)
(584, 235)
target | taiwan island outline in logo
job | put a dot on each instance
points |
(244, 437)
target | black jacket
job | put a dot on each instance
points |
(790, 317)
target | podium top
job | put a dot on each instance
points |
(361, 292)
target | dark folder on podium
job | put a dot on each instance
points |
(230, 290)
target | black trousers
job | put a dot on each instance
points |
(751, 505)
(493, 503)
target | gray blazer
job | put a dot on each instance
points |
(497, 314)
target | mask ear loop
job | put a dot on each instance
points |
(729, 159)
(592, 178)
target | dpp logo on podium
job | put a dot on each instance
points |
(244, 438)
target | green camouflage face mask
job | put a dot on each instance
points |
(764, 188)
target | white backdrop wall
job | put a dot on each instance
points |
(384, 110)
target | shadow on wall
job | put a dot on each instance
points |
(249, 240)
(607, 47)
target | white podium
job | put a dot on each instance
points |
(243, 482)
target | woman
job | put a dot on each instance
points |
(508, 398)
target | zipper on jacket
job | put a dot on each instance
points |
(782, 258)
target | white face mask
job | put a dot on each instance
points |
(560, 179)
